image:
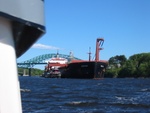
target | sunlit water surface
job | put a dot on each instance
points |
(51, 95)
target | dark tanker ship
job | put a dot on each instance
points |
(86, 69)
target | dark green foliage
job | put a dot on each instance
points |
(137, 65)
(34, 72)
(127, 70)
(112, 73)
(118, 60)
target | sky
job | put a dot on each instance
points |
(74, 25)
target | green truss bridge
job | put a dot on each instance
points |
(41, 59)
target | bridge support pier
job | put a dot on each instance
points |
(24, 72)
(30, 71)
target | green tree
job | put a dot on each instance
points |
(142, 64)
(138, 65)
(118, 59)
(34, 71)
(128, 70)
(112, 73)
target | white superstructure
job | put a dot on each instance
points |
(58, 60)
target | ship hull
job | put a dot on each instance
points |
(84, 70)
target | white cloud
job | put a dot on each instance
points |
(41, 46)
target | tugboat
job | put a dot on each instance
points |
(86, 69)
(53, 73)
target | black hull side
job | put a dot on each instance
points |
(84, 70)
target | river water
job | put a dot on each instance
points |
(50, 95)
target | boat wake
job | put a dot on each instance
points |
(25, 90)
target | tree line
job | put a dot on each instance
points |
(137, 65)
(34, 71)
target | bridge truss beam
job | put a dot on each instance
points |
(41, 59)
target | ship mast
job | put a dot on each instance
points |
(57, 56)
(99, 44)
(89, 53)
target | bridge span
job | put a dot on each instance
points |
(43, 59)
